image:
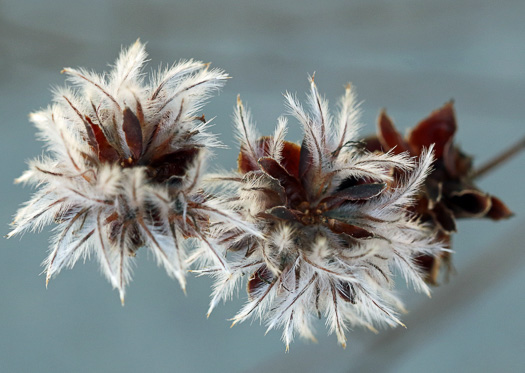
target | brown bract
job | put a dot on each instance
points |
(449, 191)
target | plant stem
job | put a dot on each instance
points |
(499, 159)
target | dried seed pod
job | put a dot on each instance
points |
(449, 191)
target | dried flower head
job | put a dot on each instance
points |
(123, 166)
(335, 223)
(449, 191)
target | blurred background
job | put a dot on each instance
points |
(409, 56)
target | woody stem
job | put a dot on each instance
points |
(499, 159)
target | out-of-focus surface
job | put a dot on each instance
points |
(407, 56)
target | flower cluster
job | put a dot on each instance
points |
(449, 191)
(123, 167)
(335, 223)
(317, 228)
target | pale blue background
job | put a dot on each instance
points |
(409, 56)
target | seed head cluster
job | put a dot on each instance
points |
(312, 229)
(335, 221)
(123, 166)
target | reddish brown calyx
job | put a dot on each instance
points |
(289, 154)
(112, 153)
(133, 133)
(295, 193)
(347, 292)
(389, 136)
(261, 278)
(438, 129)
(294, 204)
(172, 165)
(166, 163)
(101, 146)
